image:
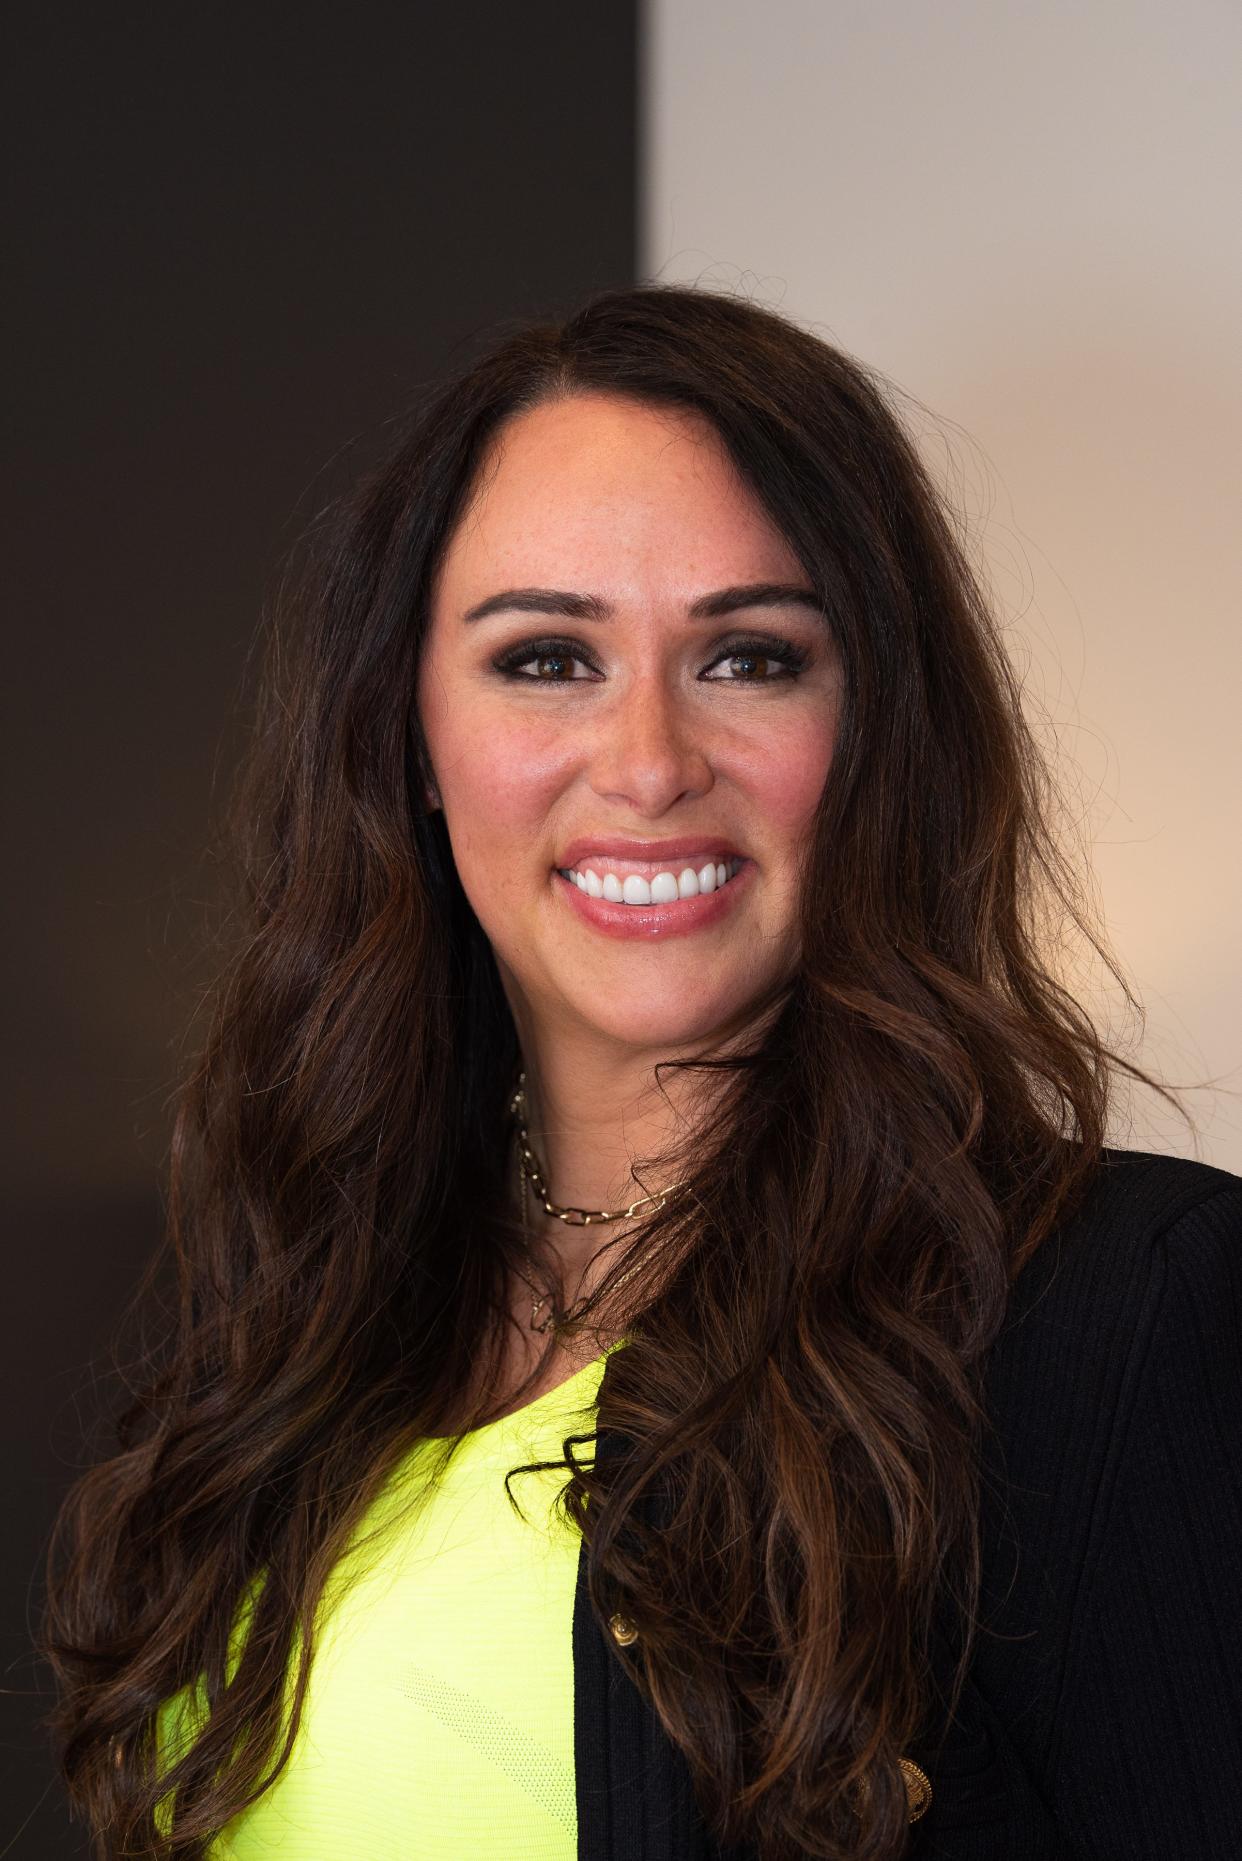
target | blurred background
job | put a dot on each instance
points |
(1025, 217)
(242, 241)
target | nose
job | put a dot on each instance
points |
(648, 750)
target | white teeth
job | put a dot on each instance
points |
(633, 888)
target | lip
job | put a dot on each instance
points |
(690, 846)
(658, 922)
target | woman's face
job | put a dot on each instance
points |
(610, 717)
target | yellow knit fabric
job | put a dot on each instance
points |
(438, 1720)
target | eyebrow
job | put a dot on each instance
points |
(590, 607)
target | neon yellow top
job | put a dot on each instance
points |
(438, 1718)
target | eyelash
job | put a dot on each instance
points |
(784, 652)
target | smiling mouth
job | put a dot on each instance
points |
(658, 887)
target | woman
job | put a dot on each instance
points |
(640, 1067)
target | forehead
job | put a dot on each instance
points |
(603, 487)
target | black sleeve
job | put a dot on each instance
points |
(1147, 1764)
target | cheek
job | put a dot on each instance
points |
(499, 777)
(785, 777)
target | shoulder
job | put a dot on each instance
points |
(1136, 1196)
(1137, 1293)
(1143, 1191)
(1152, 1236)
(1142, 1279)
(1118, 1366)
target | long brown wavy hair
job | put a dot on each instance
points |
(801, 1383)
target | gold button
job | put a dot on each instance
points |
(622, 1631)
(918, 1788)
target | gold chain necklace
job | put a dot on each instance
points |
(530, 1172)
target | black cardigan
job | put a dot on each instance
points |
(1102, 1715)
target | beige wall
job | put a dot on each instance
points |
(1025, 217)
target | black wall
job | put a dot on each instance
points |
(241, 237)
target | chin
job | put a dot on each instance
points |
(668, 1025)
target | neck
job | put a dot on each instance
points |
(595, 1110)
(591, 1119)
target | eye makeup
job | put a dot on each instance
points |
(784, 653)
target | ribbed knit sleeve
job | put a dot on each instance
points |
(1147, 1758)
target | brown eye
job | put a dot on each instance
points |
(763, 662)
(560, 655)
